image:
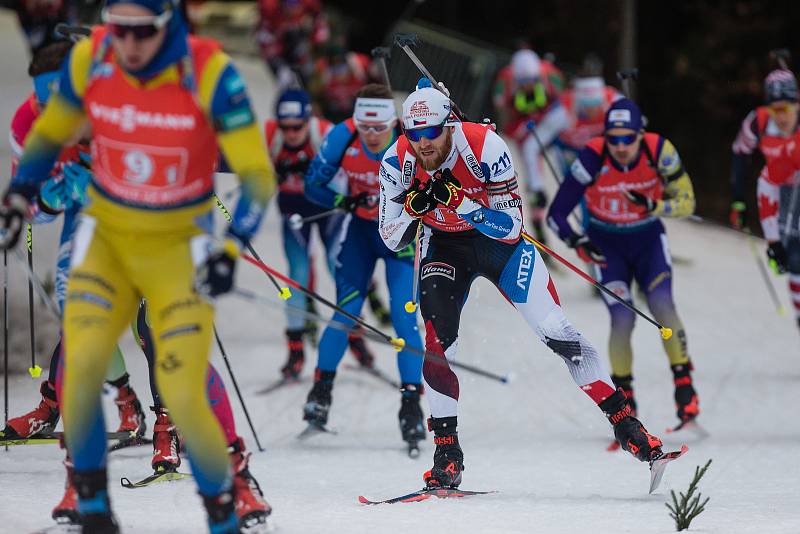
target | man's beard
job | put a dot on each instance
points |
(439, 157)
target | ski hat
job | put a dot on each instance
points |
(624, 113)
(374, 110)
(426, 107)
(293, 104)
(590, 91)
(780, 85)
(156, 6)
(525, 65)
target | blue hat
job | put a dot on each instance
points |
(156, 6)
(624, 113)
(293, 104)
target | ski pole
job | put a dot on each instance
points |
(531, 128)
(34, 370)
(236, 387)
(296, 221)
(435, 358)
(283, 292)
(5, 335)
(666, 333)
(37, 285)
(397, 342)
(625, 77)
(411, 305)
(765, 276)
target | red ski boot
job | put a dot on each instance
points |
(297, 357)
(686, 402)
(166, 447)
(251, 508)
(448, 459)
(629, 431)
(41, 420)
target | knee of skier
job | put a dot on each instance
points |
(622, 319)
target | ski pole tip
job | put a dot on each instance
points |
(666, 333)
(411, 306)
(35, 371)
(398, 343)
(285, 293)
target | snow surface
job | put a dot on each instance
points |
(538, 441)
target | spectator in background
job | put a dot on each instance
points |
(288, 34)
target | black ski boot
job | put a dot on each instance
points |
(319, 399)
(93, 503)
(377, 306)
(359, 348)
(448, 459)
(297, 356)
(221, 513)
(411, 417)
(686, 402)
(629, 431)
(624, 383)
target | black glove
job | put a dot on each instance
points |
(446, 189)
(641, 200)
(214, 277)
(777, 257)
(351, 203)
(738, 214)
(419, 200)
(14, 209)
(586, 249)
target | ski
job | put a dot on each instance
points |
(278, 384)
(658, 465)
(426, 493)
(50, 438)
(377, 373)
(155, 478)
(60, 528)
(689, 427)
(132, 441)
(313, 429)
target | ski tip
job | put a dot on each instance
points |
(614, 446)
(684, 448)
(126, 483)
(363, 500)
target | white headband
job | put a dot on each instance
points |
(374, 110)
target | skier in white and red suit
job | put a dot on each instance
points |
(458, 181)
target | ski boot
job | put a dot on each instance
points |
(377, 306)
(319, 399)
(448, 459)
(629, 431)
(359, 348)
(93, 503)
(166, 446)
(66, 511)
(411, 417)
(221, 513)
(251, 508)
(294, 364)
(624, 383)
(131, 416)
(311, 328)
(41, 420)
(686, 400)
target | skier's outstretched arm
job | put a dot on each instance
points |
(325, 166)
(678, 199)
(580, 176)
(397, 227)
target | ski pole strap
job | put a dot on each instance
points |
(666, 333)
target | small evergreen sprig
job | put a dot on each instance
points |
(689, 506)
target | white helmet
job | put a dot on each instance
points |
(525, 65)
(426, 107)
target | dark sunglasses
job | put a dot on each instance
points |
(431, 133)
(291, 127)
(628, 139)
(140, 27)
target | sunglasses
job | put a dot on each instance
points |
(291, 127)
(374, 128)
(140, 27)
(430, 133)
(628, 139)
(781, 107)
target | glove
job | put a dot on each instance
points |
(214, 277)
(777, 259)
(68, 188)
(351, 203)
(419, 201)
(738, 214)
(586, 249)
(14, 209)
(446, 189)
(641, 200)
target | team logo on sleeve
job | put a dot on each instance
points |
(437, 268)
(408, 170)
(474, 165)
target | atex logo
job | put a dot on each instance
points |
(524, 271)
(474, 165)
(128, 118)
(437, 268)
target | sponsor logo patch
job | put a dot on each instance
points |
(438, 268)
(505, 204)
(408, 170)
(474, 165)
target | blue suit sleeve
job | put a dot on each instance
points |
(580, 176)
(325, 165)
